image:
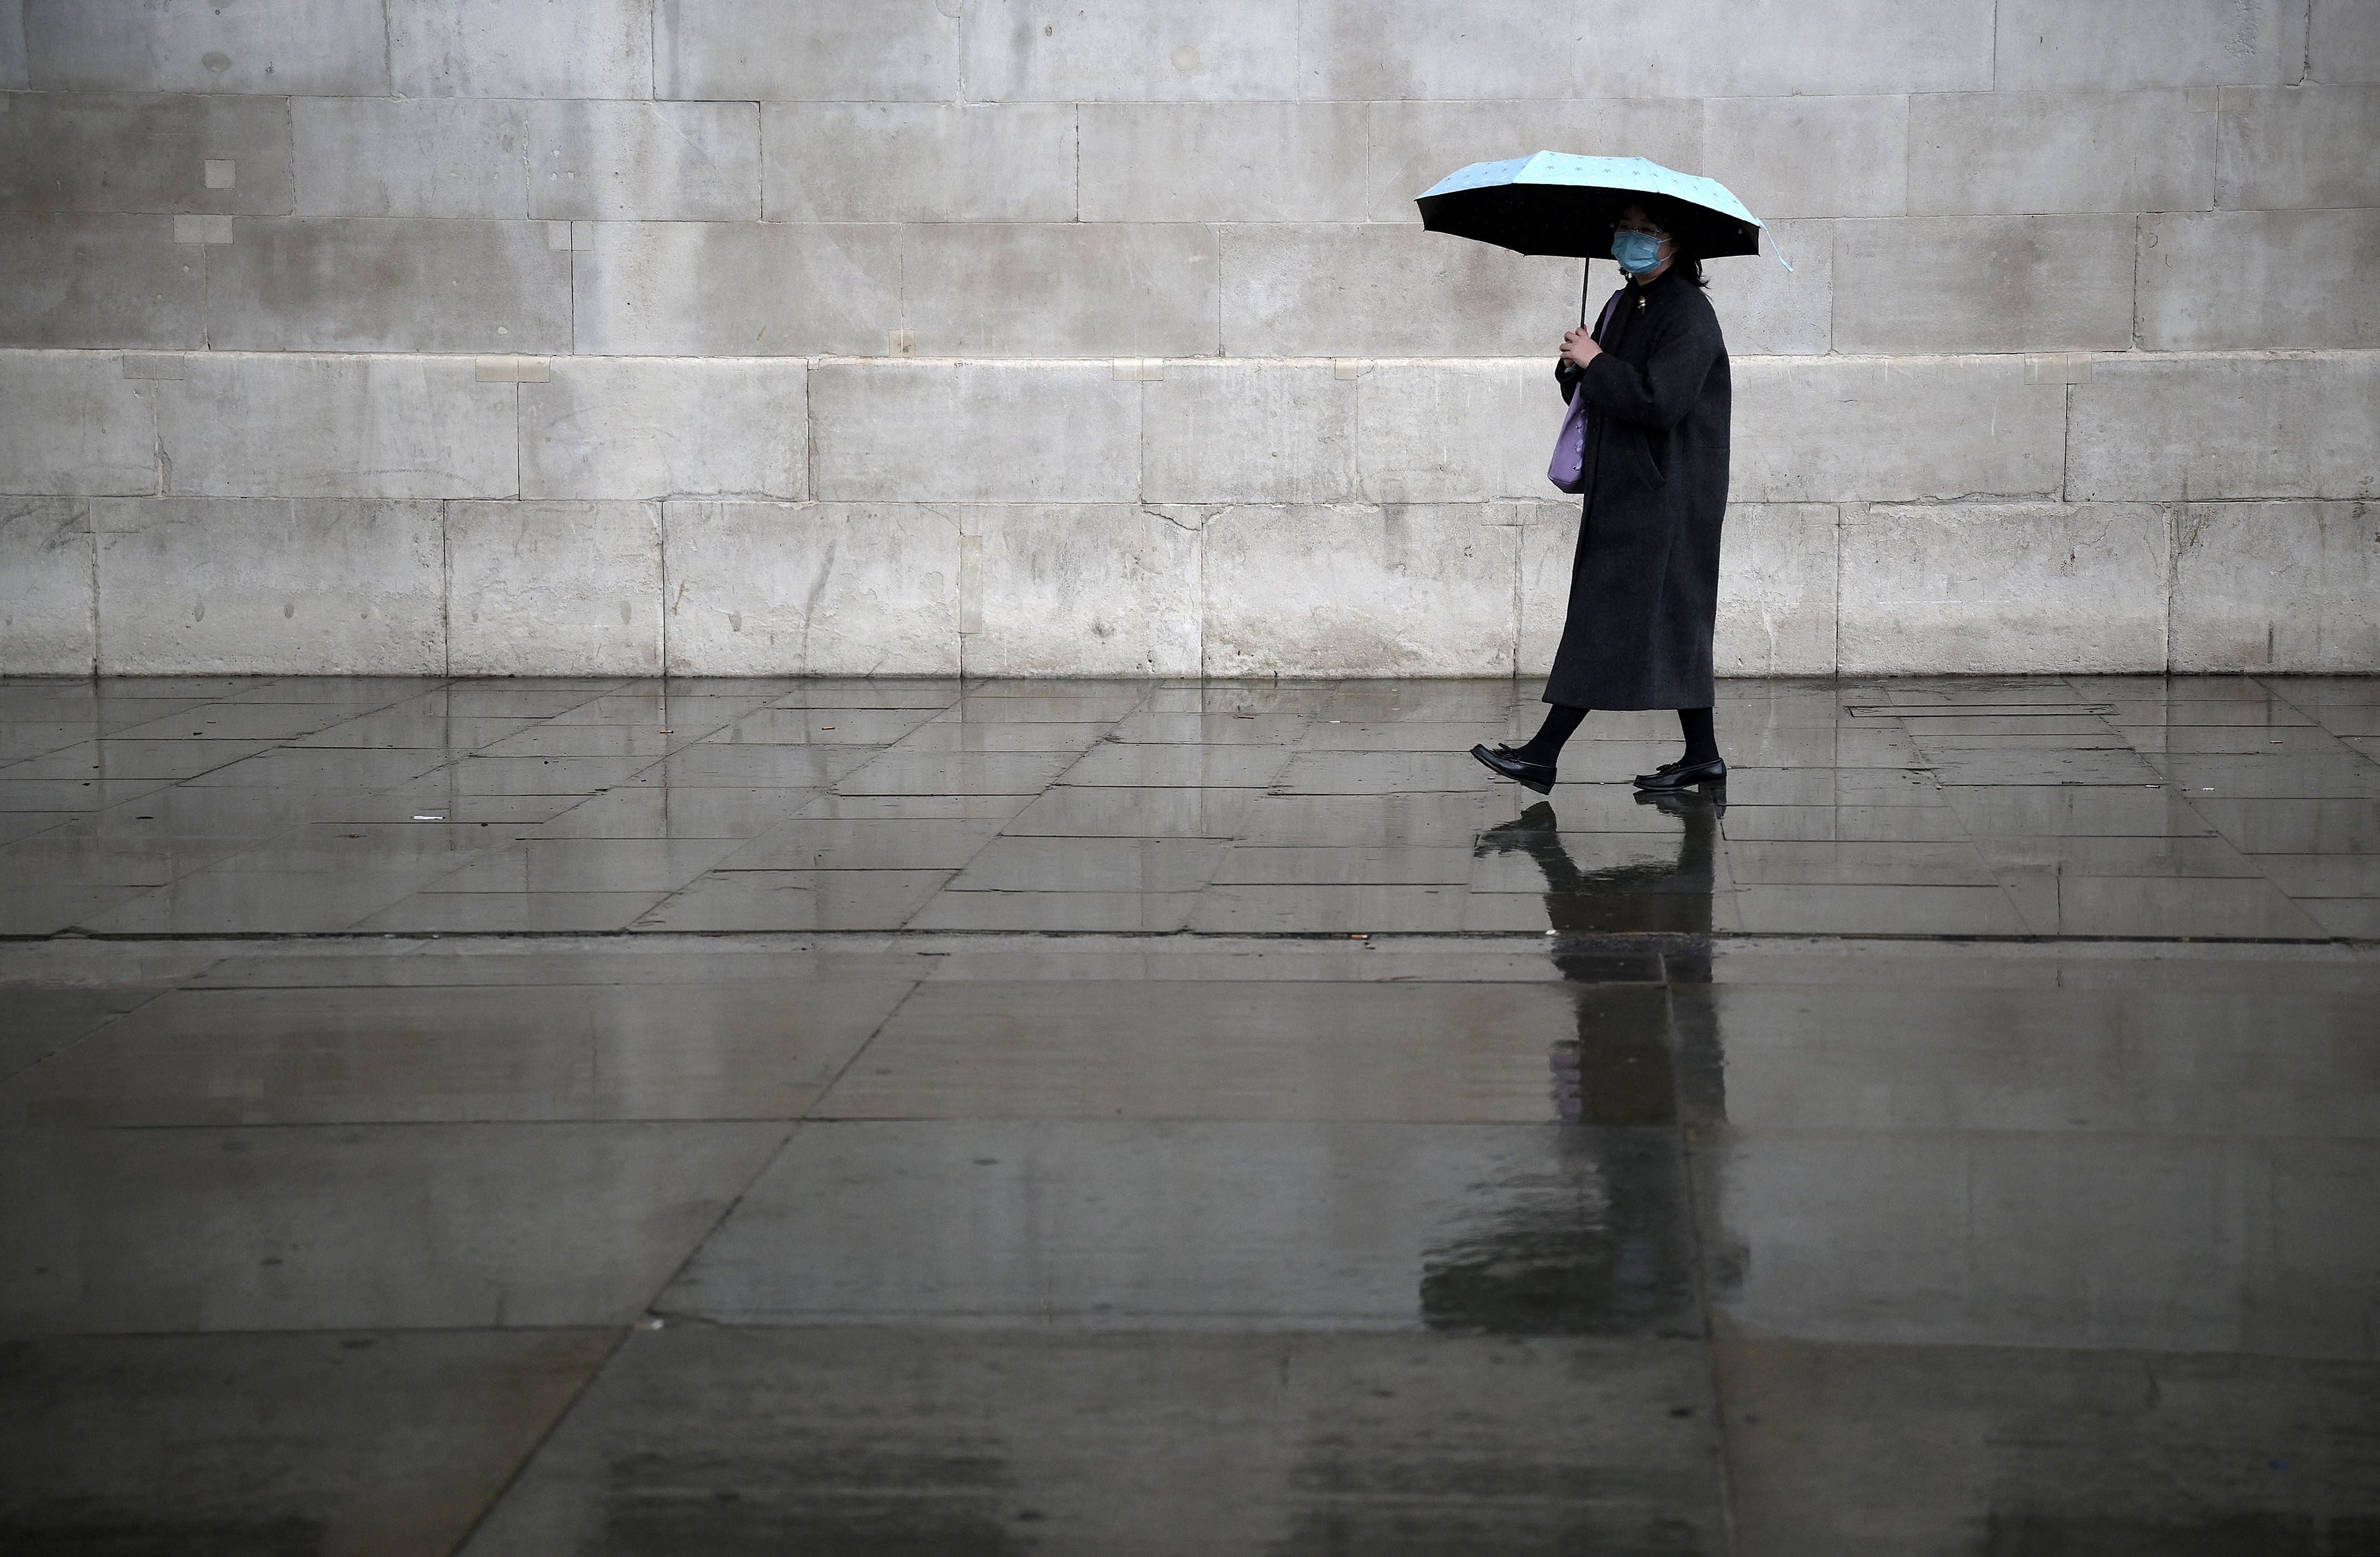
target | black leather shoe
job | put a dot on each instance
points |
(1538, 776)
(1684, 775)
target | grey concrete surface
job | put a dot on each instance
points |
(1060, 433)
(77, 280)
(106, 152)
(2342, 41)
(46, 551)
(2217, 280)
(281, 46)
(653, 427)
(1297, 1426)
(918, 162)
(454, 48)
(2290, 148)
(680, 161)
(711, 289)
(2080, 582)
(1002, 1112)
(337, 586)
(400, 284)
(751, 49)
(1764, 142)
(266, 425)
(2301, 425)
(367, 156)
(157, 1438)
(2132, 43)
(1987, 153)
(559, 587)
(869, 584)
(1983, 284)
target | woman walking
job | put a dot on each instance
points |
(1644, 589)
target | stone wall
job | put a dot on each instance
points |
(912, 335)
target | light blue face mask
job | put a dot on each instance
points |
(1637, 253)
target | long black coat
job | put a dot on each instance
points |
(1643, 589)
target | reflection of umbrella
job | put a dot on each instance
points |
(1552, 202)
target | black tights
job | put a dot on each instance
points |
(1702, 743)
(1562, 722)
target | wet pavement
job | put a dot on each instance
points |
(921, 1117)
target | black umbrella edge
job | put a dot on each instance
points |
(1571, 219)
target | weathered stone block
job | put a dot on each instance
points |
(265, 587)
(818, 589)
(325, 46)
(2029, 589)
(370, 156)
(1223, 162)
(1720, 48)
(1812, 156)
(683, 162)
(2115, 45)
(74, 425)
(1456, 432)
(99, 281)
(1299, 290)
(1765, 309)
(2212, 280)
(2343, 40)
(1079, 590)
(393, 283)
(716, 289)
(2277, 587)
(767, 51)
(1114, 290)
(1548, 548)
(1412, 145)
(525, 48)
(1046, 51)
(918, 162)
(46, 622)
(2197, 428)
(1924, 284)
(1885, 429)
(12, 45)
(2299, 146)
(512, 370)
(1247, 432)
(554, 588)
(1365, 50)
(1404, 590)
(981, 433)
(123, 154)
(665, 427)
(1777, 568)
(1989, 154)
(242, 426)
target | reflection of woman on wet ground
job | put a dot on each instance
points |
(1644, 591)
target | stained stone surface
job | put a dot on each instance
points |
(973, 1114)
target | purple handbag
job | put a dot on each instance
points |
(1567, 470)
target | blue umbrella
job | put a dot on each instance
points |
(1552, 202)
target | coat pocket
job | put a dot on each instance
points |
(1648, 468)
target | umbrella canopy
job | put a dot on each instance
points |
(1552, 202)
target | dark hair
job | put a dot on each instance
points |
(1673, 216)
